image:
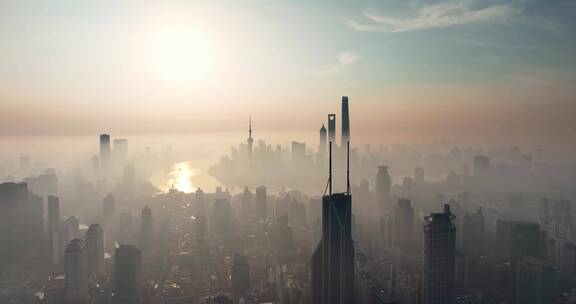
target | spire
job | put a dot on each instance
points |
(250, 140)
(330, 169)
(250, 126)
(348, 168)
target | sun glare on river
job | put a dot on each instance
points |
(181, 177)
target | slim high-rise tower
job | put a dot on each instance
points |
(403, 224)
(261, 204)
(332, 271)
(76, 284)
(95, 249)
(323, 136)
(250, 140)
(53, 212)
(332, 128)
(383, 184)
(240, 277)
(345, 121)
(105, 150)
(438, 272)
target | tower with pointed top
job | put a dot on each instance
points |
(250, 140)
(323, 136)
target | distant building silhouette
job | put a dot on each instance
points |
(146, 228)
(404, 225)
(246, 213)
(95, 249)
(481, 165)
(261, 203)
(105, 150)
(323, 138)
(120, 150)
(75, 268)
(473, 233)
(74, 227)
(109, 206)
(383, 189)
(439, 265)
(200, 205)
(240, 277)
(53, 212)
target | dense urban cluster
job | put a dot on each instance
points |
(337, 224)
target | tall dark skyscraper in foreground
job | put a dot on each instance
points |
(438, 271)
(105, 150)
(332, 271)
(127, 275)
(345, 121)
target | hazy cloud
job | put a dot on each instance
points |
(346, 58)
(444, 14)
(343, 59)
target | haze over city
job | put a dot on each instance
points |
(412, 152)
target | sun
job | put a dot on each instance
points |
(180, 54)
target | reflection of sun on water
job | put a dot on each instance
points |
(180, 177)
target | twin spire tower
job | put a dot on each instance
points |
(332, 267)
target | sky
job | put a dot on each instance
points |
(501, 70)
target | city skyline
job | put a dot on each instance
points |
(302, 152)
(437, 69)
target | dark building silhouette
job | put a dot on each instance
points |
(53, 212)
(419, 175)
(95, 249)
(146, 228)
(383, 185)
(535, 283)
(332, 128)
(261, 203)
(200, 206)
(481, 165)
(345, 121)
(404, 224)
(246, 212)
(473, 230)
(332, 271)
(223, 219)
(439, 263)
(239, 277)
(109, 206)
(127, 275)
(105, 150)
(284, 240)
(73, 227)
(75, 268)
(545, 215)
(525, 240)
